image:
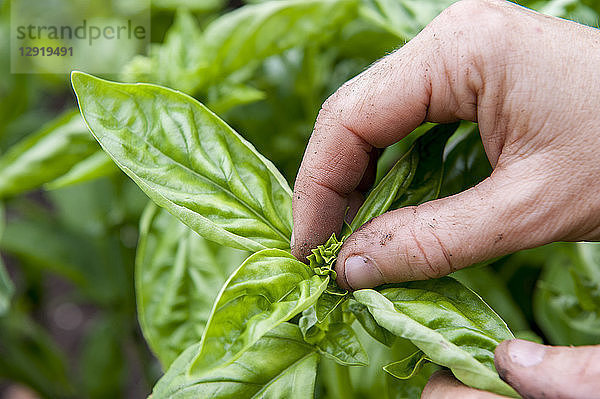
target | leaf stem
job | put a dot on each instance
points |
(343, 385)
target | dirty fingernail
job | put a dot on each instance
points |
(525, 353)
(361, 272)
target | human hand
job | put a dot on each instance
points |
(532, 83)
(534, 371)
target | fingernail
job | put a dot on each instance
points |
(361, 272)
(525, 353)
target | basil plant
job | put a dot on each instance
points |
(271, 326)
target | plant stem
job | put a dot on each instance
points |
(343, 386)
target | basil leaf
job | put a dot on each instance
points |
(45, 155)
(278, 365)
(448, 322)
(270, 287)
(223, 97)
(493, 290)
(178, 276)
(416, 177)
(427, 181)
(238, 41)
(367, 321)
(586, 291)
(341, 344)
(256, 32)
(189, 161)
(466, 162)
(7, 288)
(557, 311)
(93, 167)
(175, 62)
(394, 184)
(333, 337)
(588, 261)
(404, 18)
(327, 303)
(566, 297)
(407, 367)
(199, 6)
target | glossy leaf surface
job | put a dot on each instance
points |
(279, 365)
(427, 181)
(189, 161)
(407, 367)
(448, 322)
(393, 185)
(269, 288)
(178, 276)
(333, 337)
(341, 344)
(368, 323)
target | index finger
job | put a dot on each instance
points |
(375, 109)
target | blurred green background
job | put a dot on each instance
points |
(69, 218)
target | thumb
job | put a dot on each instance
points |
(538, 371)
(500, 215)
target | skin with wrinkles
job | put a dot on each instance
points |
(532, 83)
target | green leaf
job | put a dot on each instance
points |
(565, 297)
(238, 41)
(587, 293)
(174, 63)
(7, 288)
(341, 344)
(448, 322)
(322, 262)
(257, 32)
(178, 276)
(270, 287)
(279, 365)
(189, 161)
(427, 181)
(416, 177)
(466, 162)
(45, 155)
(222, 98)
(367, 321)
(403, 18)
(327, 303)
(407, 367)
(487, 284)
(93, 167)
(195, 5)
(393, 185)
(333, 337)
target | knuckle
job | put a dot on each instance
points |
(465, 10)
(332, 109)
(480, 20)
(426, 251)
